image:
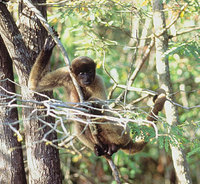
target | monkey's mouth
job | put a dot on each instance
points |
(87, 83)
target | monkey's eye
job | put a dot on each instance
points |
(81, 73)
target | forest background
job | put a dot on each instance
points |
(122, 38)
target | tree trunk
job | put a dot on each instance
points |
(32, 31)
(48, 163)
(11, 157)
(162, 65)
(43, 160)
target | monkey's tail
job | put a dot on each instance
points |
(159, 101)
(138, 145)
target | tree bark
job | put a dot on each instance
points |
(48, 163)
(32, 31)
(43, 160)
(162, 66)
(11, 157)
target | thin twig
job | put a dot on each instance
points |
(142, 61)
(114, 169)
(185, 31)
(138, 68)
(173, 22)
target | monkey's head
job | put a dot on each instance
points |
(84, 70)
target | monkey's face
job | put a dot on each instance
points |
(84, 70)
(86, 78)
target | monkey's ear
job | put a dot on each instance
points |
(71, 69)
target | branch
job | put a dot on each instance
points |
(179, 105)
(51, 4)
(137, 69)
(147, 91)
(185, 31)
(141, 62)
(173, 22)
(176, 18)
(61, 111)
(114, 169)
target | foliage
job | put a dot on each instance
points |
(104, 28)
(111, 32)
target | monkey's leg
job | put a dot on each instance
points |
(100, 149)
(84, 135)
(112, 148)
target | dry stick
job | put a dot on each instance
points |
(67, 61)
(138, 67)
(142, 61)
(186, 31)
(173, 21)
(114, 169)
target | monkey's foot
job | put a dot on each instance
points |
(107, 150)
(99, 151)
(112, 148)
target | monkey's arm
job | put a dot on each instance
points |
(51, 80)
(38, 69)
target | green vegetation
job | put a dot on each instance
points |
(116, 33)
(113, 34)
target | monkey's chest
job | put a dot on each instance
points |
(87, 94)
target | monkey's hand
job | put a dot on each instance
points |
(97, 106)
(49, 42)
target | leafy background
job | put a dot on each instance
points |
(111, 32)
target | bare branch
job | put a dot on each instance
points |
(173, 21)
(177, 17)
(114, 169)
(64, 112)
(137, 69)
(51, 4)
(186, 31)
(142, 61)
